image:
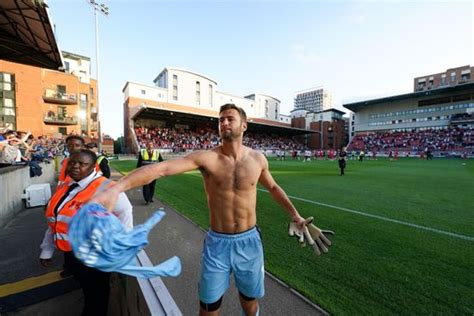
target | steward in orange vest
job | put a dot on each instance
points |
(58, 219)
(81, 184)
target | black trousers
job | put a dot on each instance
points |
(95, 285)
(342, 165)
(149, 191)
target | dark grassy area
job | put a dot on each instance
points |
(375, 266)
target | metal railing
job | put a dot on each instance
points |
(56, 96)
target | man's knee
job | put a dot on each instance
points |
(211, 307)
(246, 298)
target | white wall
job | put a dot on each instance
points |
(13, 183)
(80, 68)
(136, 90)
(248, 105)
(187, 89)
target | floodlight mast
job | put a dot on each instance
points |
(102, 8)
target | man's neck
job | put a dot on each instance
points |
(232, 148)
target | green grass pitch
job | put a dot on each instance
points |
(404, 240)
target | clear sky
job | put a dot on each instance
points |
(357, 50)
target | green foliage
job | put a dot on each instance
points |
(375, 266)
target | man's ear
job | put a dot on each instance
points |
(244, 126)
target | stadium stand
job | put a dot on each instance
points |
(181, 140)
(451, 141)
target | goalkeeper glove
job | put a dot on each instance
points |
(302, 234)
(320, 242)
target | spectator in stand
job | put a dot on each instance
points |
(9, 152)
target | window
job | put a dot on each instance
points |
(210, 95)
(61, 90)
(143, 92)
(443, 79)
(8, 103)
(198, 93)
(464, 77)
(453, 76)
(66, 66)
(8, 111)
(175, 87)
(91, 92)
(83, 110)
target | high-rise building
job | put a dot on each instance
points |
(313, 100)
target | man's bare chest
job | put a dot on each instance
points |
(238, 176)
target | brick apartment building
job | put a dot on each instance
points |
(49, 102)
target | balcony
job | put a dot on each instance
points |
(94, 126)
(59, 97)
(53, 119)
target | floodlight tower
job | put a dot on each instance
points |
(102, 8)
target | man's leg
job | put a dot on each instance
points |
(210, 309)
(215, 273)
(152, 190)
(146, 193)
(249, 305)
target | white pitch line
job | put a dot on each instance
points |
(387, 219)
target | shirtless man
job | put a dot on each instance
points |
(231, 172)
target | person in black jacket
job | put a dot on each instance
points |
(149, 156)
(102, 161)
(342, 160)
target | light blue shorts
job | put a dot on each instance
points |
(223, 254)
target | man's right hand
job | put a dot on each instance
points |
(107, 198)
(45, 262)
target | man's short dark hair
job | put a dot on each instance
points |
(86, 152)
(71, 137)
(230, 106)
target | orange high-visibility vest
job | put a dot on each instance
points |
(59, 222)
(62, 172)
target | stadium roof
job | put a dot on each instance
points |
(175, 117)
(357, 106)
(26, 34)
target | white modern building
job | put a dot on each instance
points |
(198, 93)
(313, 100)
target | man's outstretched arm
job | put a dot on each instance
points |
(278, 194)
(145, 175)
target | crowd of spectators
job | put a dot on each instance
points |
(179, 140)
(452, 139)
(18, 147)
